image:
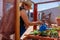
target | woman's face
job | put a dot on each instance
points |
(26, 7)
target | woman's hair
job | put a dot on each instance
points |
(23, 3)
(26, 3)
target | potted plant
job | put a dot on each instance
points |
(58, 20)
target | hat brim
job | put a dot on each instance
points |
(28, 4)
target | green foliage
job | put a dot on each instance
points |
(54, 34)
(51, 32)
(55, 29)
(35, 32)
(44, 33)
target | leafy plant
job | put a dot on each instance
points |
(35, 32)
(51, 32)
(44, 33)
(54, 34)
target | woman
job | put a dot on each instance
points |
(24, 21)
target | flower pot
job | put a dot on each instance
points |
(58, 21)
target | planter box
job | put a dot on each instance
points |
(36, 37)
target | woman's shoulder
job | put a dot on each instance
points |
(22, 12)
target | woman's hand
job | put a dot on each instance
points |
(39, 21)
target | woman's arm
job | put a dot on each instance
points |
(26, 20)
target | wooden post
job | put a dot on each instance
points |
(35, 16)
(17, 26)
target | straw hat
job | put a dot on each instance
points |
(28, 3)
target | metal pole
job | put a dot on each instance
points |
(35, 16)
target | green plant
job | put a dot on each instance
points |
(54, 34)
(35, 32)
(44, 33)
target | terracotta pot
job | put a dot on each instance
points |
(58, 21)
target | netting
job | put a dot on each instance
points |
(7, 22)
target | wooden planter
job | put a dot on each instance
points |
(36, 37)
